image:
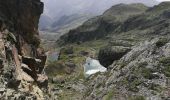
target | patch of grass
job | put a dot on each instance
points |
(143, 64)
(55, 68)
(122, 64)
(109, 95)
(136, 98)
(155, 87)
(161, 42)
(133, 85)
(165, 61)
(147, 73)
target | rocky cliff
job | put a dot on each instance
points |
(21, 60)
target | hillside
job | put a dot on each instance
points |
(103, 25)
(131, 41)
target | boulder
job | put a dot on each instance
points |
(58, 79)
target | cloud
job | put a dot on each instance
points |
(162, 0)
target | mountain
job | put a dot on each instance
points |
(58, 10)
(132, 41)
(45, 22)
(105, 24)
(63, 24)
(70, 7)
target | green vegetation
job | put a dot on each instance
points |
(55, 68)
(165, 61)
(136, 98)
(155, 87)
(110, 95)
(161, 42)
(147, 73)
(133, 85)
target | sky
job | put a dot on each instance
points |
(162, 0)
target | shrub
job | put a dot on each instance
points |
(161, 42)
(165, 61)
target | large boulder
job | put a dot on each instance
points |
(109, 54)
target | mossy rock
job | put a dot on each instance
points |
(161, 42)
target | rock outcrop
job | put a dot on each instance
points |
(22, 61)
(109, 54)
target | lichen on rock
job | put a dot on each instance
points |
(21, 60)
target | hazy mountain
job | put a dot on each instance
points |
(57, 10)
(45, 22)
(65, 23)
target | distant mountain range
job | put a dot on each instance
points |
(61, 16)
(63, 24)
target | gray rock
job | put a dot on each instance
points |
(107, 55)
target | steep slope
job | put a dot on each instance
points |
(103, 25)
(141, 74)
(22, 61)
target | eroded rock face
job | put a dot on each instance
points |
(21, 60)
(109, 54)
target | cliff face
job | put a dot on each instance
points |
(21, 59)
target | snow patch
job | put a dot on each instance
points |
(93, 66)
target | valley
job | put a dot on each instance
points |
(130, 40)
(84, 50)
